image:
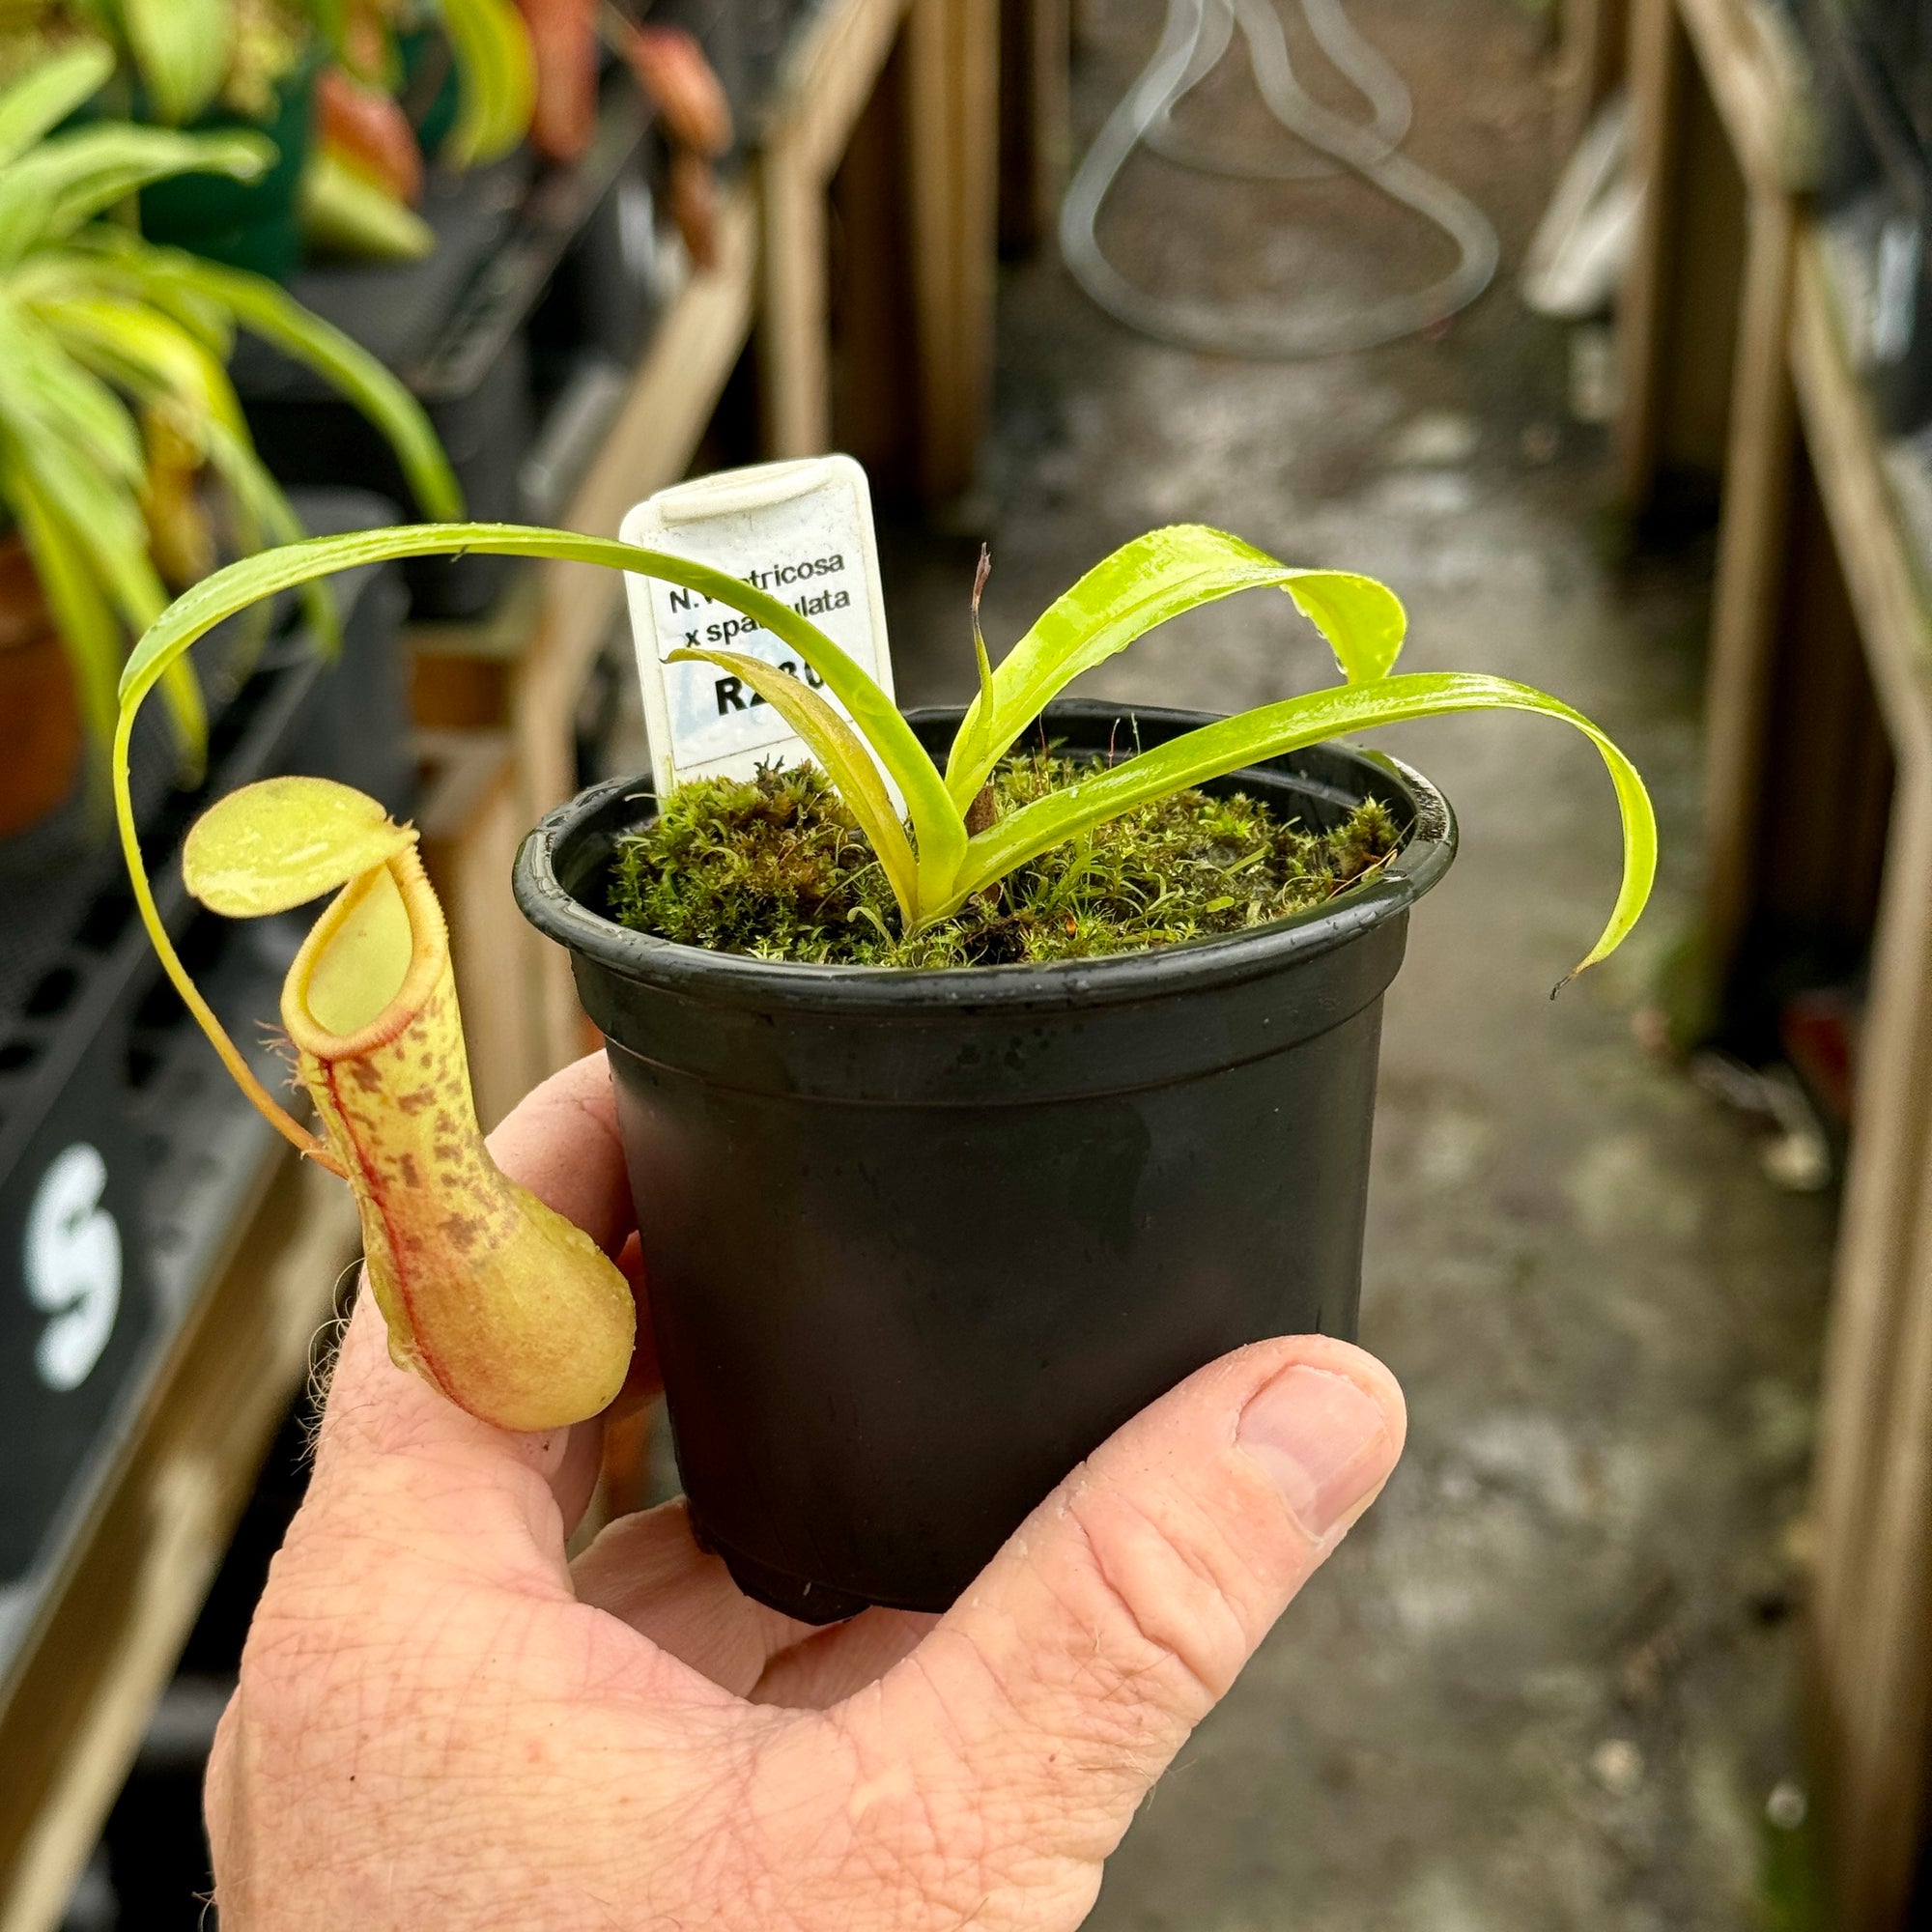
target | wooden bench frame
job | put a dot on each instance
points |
(1722, 119)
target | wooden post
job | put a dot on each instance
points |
(1655, 61)
(796, 320)
(953, 135)
(1870, 1623)
(828, 78)
(1873, 1651)
(1732, 63)
(1749, 570)
(951, 162)
(1678, 314)
(1035, 39)
(1596, 39)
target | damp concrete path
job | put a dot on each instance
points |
(1549, 1682)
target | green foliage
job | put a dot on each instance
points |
(1143, 584)
(490, 49)
(182, 48)
(227, 298)
(934, 867)
(497, 76)
(188, 52)
(111, 348)
(777, 866)
(47, 92)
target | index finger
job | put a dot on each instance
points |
(561, 1142)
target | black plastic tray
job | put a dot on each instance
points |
(126, 1155)
(456, 326)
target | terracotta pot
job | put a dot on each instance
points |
(39, 709)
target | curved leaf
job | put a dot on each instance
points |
(61, 414)
(143, 351)
(87, 627)
(496, 77)
(69, 444)
(68, 573)
(941, 833)
(154, 358)
(1144, 584)
(1216, 749)
(92, 265)
(182, 48)
(45, 95)
(65, 181)
(46, 393)
(266, 310)
(841, 751)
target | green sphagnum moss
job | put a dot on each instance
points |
(776, 867)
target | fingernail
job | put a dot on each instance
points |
(1322, 1438)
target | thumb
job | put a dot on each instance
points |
(1059, 1688)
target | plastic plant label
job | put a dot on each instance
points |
(802, 531)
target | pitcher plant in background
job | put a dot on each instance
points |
(507, 1308)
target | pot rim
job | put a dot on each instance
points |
(794, 985)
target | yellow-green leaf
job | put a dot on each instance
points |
(181, 48)
(495, 68)
(46, 94)
(277, 317)
(1216, 749)
(1144, 584)
(940, 829)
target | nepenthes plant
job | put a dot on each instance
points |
(510, 1311)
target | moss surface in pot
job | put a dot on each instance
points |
(774, 866)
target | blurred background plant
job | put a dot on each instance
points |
(351, 93)
(126, 465)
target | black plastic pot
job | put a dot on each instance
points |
(916, 1242)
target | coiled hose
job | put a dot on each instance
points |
(1196, 35)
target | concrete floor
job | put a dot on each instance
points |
(1549, 1682)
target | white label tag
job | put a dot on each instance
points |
(801, 532)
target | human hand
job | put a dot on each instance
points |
(442, 1723)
